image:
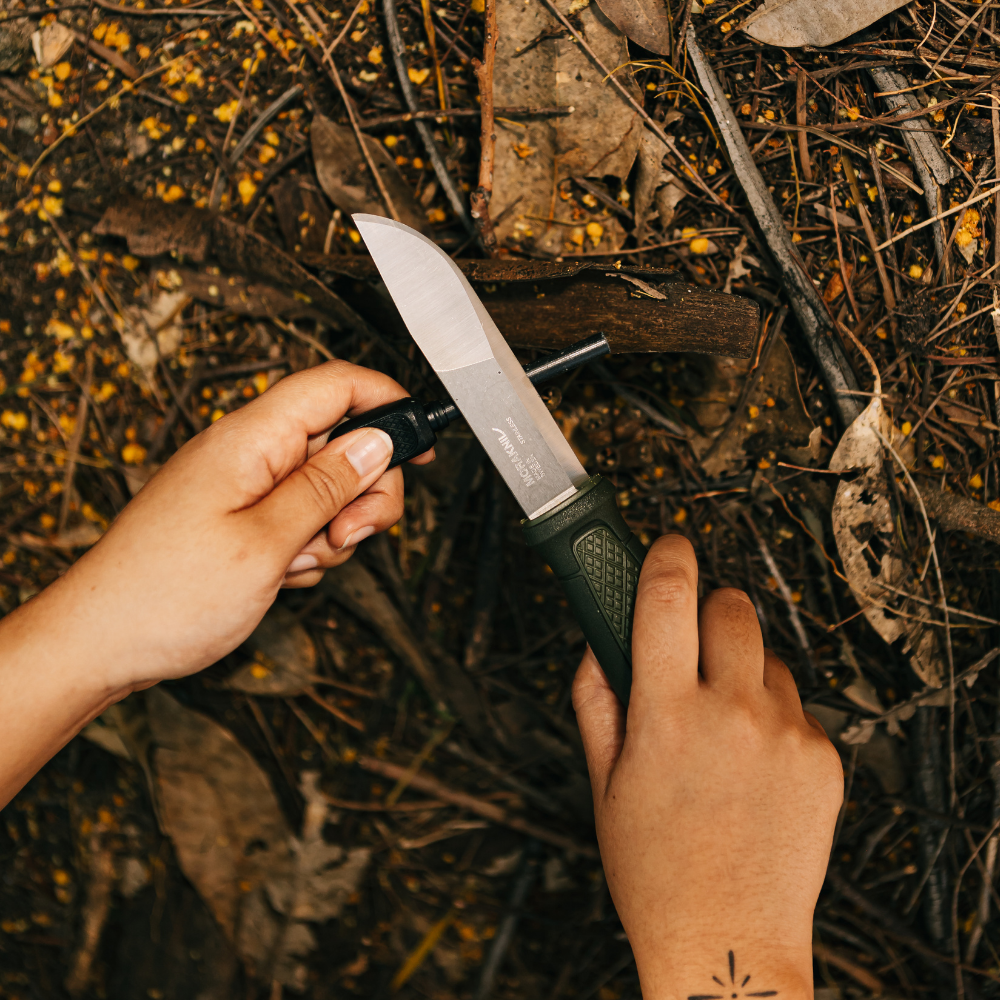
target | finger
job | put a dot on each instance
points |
(377, 509)
(732, 650)
(291, 420)
(665, 628)
(601, 717)
(314, 494)
(425, 458)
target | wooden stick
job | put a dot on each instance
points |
(800, 119)
(487, 810)
(852, 180)
(517, 111)
(479, 200)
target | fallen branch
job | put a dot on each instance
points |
(803, 298)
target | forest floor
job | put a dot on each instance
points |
(176, 185)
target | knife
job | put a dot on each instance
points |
(571, 519)
(413, 425)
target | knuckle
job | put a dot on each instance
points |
(326, 487)
(667, 589)
(730, 597)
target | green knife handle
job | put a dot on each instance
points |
(596, 558)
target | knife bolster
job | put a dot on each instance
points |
(597, 559)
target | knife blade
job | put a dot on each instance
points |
(572, 519)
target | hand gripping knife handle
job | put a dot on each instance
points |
(597, 559)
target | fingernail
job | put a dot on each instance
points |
(302, 562)
(357, 536)
(369, 452)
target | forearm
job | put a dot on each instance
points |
(51, 684)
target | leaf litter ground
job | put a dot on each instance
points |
(387, 776)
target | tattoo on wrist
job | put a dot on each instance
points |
(737, 990)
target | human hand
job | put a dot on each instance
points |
(256, 501)
(716, 801)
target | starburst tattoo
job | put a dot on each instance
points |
(737, 991)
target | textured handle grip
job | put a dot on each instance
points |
(404, 421)
(597, 559)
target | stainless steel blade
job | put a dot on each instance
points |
(463, 345)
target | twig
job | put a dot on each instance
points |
(857, 972)
(338, 713)
(436, 739)
(95, 916)
(479, 200)
(82, 408)
(314, 731)
(304, 337)
(216, 198)
(887, 290)
(961, 31)
(262, 119)
(157, 12)
(487, 810)
(844, 276)
(839, 140)
(937, 218)
(959, 983)
(786, 593)
(637, 401)
(398, 47)
(944, 610)
(801, 79)
(505, 932)
(343, 31)
(517, 111)
(897, 285)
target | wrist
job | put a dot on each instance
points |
(741, 969)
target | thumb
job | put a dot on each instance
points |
(318, 490)
(601, 717)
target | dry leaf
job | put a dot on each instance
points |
(644, 21)
(879, 752)
(234, 844)
(15, 36)
(51, 43)
(790, 23)
(654, 184)
(738, 266)
(344, 175)
(865, 532)
(323, 875)
(599, 137)
(284, 658)
(154, 228)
